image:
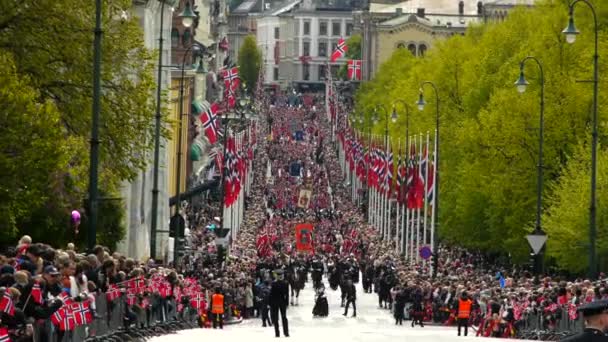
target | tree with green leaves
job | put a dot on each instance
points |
(51, 45)
(489, 132)
(250, 61)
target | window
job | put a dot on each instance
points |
(400, 46)
(323, 28)
(349, 29)
(412, 48)
(174, 37)
(322, 72)
(334, 71)
(322, 49)
(275, 74)
(307, 28)
(306, 72)
(421, 49)
(276, 33)
(335, 29)
(186, 38)
(296, 28)
(306, 50)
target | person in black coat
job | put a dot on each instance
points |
(400, 299)
(279, 299)
(596, 318)
(351, 297)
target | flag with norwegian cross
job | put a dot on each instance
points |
(340, 50)
(7, 305)
(209, 121)
(354, 69)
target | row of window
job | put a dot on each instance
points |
(186, 37)
(336, 29)
(323, 48)
(321, 75)
(416, 50)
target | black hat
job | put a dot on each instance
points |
(594, 308)
(52, 270)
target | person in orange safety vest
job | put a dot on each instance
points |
(464, 312)
(217, 309)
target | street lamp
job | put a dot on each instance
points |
(187, 15)
(178, 204)
(94, 154)
(186, 19)
(571, 32)
(421, 104)
(521, 84)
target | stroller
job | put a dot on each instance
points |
(321, 308)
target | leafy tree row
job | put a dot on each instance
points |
(489, 132)
(46, 61)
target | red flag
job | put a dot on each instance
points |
(231, 78)
(208, 119)
(198, 302)
(4, 335)
(354, 69)
(82, 312)
(340, 50)
(412, 178)
(112, 293)
(7, 305)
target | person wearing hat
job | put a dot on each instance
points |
(596, 323)
(279, 299)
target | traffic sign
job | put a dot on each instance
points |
(536, 241)
(425, 252)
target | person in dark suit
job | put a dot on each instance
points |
(279, 299)
(351, 297)
(596, 323)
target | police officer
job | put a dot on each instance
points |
(279, 299)
(596, 323)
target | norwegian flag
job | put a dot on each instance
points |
(37, 293)
(164, 290)
(112, 293)
(354, 69)
(401, 181)
(430, 182)
(7, 305)
(231, 78)
(137, 285)
(340, 50)
(82, 312)
(64, 318)
(263, 245)
(4, 337)
(230, 97)
(420, 186)
(572, 312)
(209, 121)
(412, 178)
(198, 302)
(131, 298)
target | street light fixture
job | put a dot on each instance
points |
(421, 102)
(571, 32)
(521, 82)
(187, 15)
(394, 115)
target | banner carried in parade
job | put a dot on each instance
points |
(304, 237)
(304, 199)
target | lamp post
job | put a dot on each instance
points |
(187, 19)
(94, 162)
(421, 103)
(383, 220)
(407, 134)
(522, 84)
(178, 203)
(571, 32)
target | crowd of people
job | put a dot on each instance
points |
(40, 283)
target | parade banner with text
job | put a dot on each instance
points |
(304, 237)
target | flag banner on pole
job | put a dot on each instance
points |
(340, 51)
(304, 198)
(304, 237)
(354, 69)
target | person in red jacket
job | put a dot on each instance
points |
(464, 312)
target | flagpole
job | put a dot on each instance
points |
(398, 216)
(432, 203)
(426, 193)
(388, 189)
(407, 208)
(418, 209)
(367, 172)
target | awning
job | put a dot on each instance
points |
(195, 152)
(195, 191)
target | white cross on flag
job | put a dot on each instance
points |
(208, 118)
(354, 69)
(231, 78)
(340, 50)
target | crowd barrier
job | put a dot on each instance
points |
(116, 316)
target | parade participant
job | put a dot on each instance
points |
(217, 309)
(279, 299)
(351, 298)
(596, 323)
(464, 313)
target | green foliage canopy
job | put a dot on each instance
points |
(489, 132)
(250, 61)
